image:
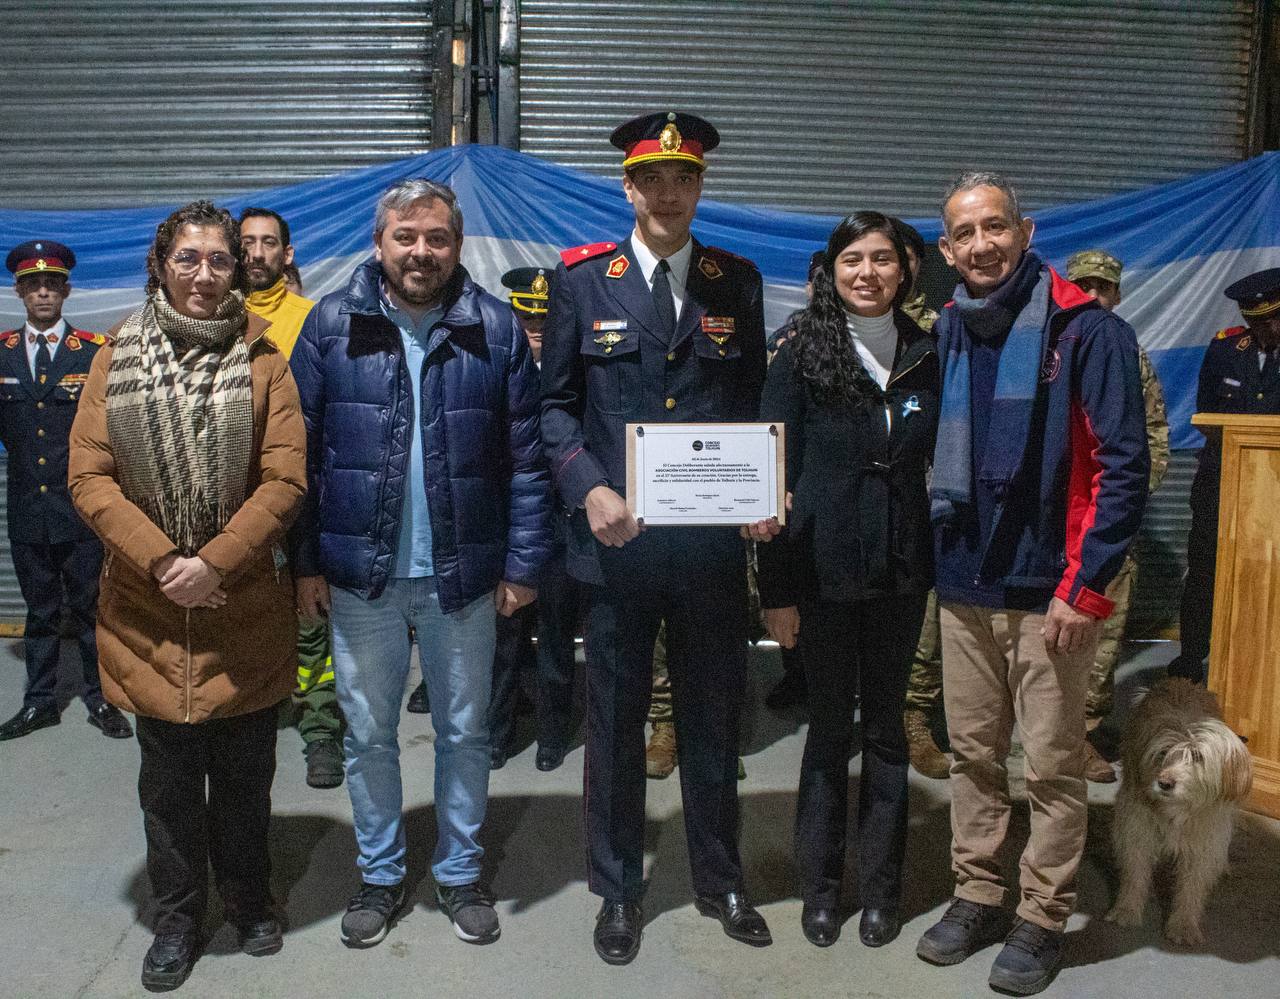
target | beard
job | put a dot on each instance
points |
(421, 288)
(262, 275)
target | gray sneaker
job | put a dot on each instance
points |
(370, 914)
(470, 909)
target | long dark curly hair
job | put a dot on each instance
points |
(204, 213)
(825, 358)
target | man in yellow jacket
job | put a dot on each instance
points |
(264, 235)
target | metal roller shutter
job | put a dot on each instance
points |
(12, 607)
(1161, 552)
(825, 106)
(125, 102)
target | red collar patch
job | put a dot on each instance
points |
(618, 266)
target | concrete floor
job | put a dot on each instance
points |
(73, 888)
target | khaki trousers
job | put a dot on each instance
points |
(997, 672)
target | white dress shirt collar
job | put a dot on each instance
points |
(58, 329)
(678, 262)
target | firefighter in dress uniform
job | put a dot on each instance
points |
(1240, 374)
(656, 328)
(56, 557)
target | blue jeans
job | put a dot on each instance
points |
(371, 666)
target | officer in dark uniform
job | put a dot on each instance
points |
(1240, 374)
(657, 328)
(554, 616)
(43, 368)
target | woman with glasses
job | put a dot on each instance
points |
(187, 459)
(855, 380)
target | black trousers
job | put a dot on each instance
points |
(1196, 617)
(859, 650)
(205, 791)
(43, 570)
(706, 656)
(554, 619)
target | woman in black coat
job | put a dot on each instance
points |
(855, 380)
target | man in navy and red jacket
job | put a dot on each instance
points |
(1039, 483)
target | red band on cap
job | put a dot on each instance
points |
(38, 264)
(647, 147)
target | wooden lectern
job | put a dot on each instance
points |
(1244, 656)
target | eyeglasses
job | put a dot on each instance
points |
(187, 262)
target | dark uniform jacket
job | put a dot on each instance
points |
(35, 424)
(603, 366)
(859, 524)
(1230, 382)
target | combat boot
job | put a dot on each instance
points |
(660, 756)
(926, 757)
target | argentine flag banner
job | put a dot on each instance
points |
(1181, 243)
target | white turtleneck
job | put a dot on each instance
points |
(875, 338)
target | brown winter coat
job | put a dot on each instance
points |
(158, 659)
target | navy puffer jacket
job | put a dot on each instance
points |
(488, 490)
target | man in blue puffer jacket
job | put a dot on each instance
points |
(430, 505)
(1039, 482)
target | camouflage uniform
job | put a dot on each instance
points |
(1102, 675)
(924, 687)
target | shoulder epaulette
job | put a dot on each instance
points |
(727, 255)
(1230, 331)
(97, 339)
(578, 254)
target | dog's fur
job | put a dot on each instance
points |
(1183, 772)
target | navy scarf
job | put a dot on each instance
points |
(1019, 307)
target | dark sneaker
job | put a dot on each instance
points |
(470, 909)
(261, 937)
(370, 914)
(964, 928)
(324, 763)
(169, 961)
(1029, 960)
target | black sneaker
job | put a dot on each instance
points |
(324, 763)
(964, 928)
(470, 909)
(370, 914)
(261, 937)
(1029, 960)
(169, 961)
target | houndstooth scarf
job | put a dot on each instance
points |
(180, 417)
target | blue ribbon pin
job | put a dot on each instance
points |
(912, 405)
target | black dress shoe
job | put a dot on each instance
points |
(261, 937)
(549, 757)
(111, 721)
(821, 924)
(738, 917)
(878, 926)
(28, 720)
(169, 961)
(418, 703)
(617, 935)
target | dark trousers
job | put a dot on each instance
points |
(205, 791)
(706, 655)
(859, 650)
(513, 658)
(559, 613)
(554, 618)
(1196, 617)
(43, 570)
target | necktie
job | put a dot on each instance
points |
(42, 358)
(1269, 367)
(663, 304)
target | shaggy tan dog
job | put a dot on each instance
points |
(1183, 772)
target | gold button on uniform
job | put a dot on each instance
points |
(1259, 395)
(723, 352)
(39, 405)
(41, 461)
(671, 404)
(40, 432)
(44, 489)
(671, 357)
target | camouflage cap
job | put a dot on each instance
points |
(1096, 264)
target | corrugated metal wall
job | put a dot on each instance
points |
(126, 102)
(827, 106)
(13, 609)
(1161, 552)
